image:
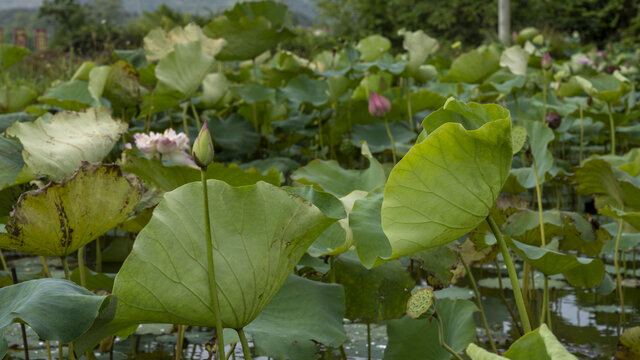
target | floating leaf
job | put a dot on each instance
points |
(418, 339)
(248, 233)
(55, 309)
(62, 217)
(446, 185)
(629, 343)
(56, 147)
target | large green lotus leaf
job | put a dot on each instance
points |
(372, 47)
(256, 244)
(471, 115)
(506, 82)
(539, 344)
(72, 95)
(251, 93)
(579, 271)
(418, 339)
(168, 178)
(608, 88)
(540, 135)
(419, 45)
(158, 43)
(302, 313)
(11, 162)
(375, 134)
(62, 217)
(277, 14)
(330, 177)
(303, 89)
(10, 55)
(575, 86)
(370, 241)
(516, 59)
(55, 309)
(56, 147)
(446, 185)
(473, 67)
(18, 97)
(184, 69)
(246, 37)
(373, 295)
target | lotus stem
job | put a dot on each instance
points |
(514, 318)
(65, 267)
(479, 303)
(581, 135)
(544, 95)
(195, 115)
(212, 277)
(83, 281)
(98, 256)
(233, 348)
(545, 294)
(3, 262)
(14, 277)
(45, 268)
(612, 128)
(393, 143)
(368, 341)
(440, 337)
(49, 356)
(185, 125)
(513, 276)
(245, 344)
(180, 343)
(409, 110)
(618, 275)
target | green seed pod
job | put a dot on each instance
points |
(202, 150)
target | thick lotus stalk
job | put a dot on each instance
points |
(203, 147)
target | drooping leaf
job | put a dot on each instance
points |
(579, 271)
(446, 185)
(516, 59)
(370, 241)
(419, 45)
(418, 339)
(302, 312)
(72, 95)
(55, 309)
(330, 177)
(165, 278)
(168, 178)
(471, 115)
(214, 88)
(56, 147)
(540, 135)
(373, 295)
(62, 217)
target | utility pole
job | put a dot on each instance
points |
(504, 21)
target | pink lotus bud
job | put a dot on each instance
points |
(378, 105)
(546, 61)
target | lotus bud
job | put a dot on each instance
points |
(203, 147)
(553, 120)
(378, 105)
(546, 61)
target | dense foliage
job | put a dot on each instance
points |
(233, 190)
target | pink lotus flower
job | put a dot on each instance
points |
(378, 105)
(169, 146)
(546, 61)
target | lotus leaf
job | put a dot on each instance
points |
(57, 147)
(62, 217)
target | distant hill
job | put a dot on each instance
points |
(304, 10)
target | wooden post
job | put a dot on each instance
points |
(504, 21)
